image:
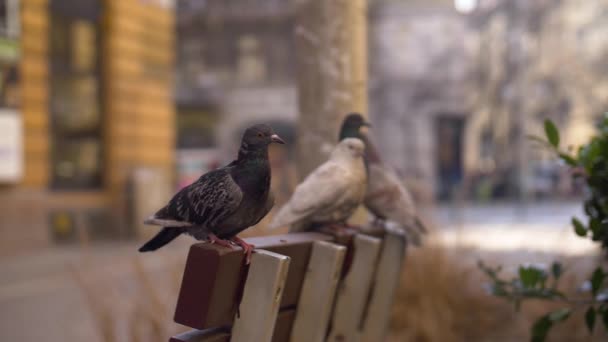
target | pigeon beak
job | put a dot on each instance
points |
(367, 124)
(275, 138)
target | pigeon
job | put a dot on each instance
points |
(386, 197)
(222, 202)
(330, 194)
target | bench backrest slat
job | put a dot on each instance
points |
(317, 295)
(298, 287)
(353, 291)
(261, 297)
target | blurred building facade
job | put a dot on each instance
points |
(95, 106)
(455, 86)
(235, 65)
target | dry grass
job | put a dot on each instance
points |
(441, 299)
(130, 309)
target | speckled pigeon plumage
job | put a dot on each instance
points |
(330, 194)
(386, 197)
(222, 202)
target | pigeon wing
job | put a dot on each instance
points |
(387, 197)
(321, 190)
(206, 202)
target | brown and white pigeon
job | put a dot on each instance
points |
(222, 202)
(386, 198)
(330, 194)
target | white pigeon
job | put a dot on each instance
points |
(330, 194)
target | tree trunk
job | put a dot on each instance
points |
(331, 43)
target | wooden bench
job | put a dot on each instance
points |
(298, 287)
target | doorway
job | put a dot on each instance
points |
(449, 137)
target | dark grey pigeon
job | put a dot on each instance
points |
(222, 202)
(386, 197)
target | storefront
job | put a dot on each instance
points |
(87, 87)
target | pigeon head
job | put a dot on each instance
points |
(349, 148)
(257, 138)
(351, 125)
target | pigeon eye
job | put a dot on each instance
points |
(260, 134)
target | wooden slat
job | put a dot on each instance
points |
(261, 297)
(298, 250)
(354, 289)
(317, 295)
(213, 275)
(282, 328)
(388, 273)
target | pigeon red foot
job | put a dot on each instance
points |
(220, 242)
(247, 248)
(341, 229)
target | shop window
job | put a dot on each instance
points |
(9, 54)
(9, 19)
(75, 88)
(11, 133)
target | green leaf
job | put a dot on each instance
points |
(552, 133)
(540, 329)
(590, 318)
(530, 276)
(557, 269)
(597, 278)
(579, 228)
(594, 225)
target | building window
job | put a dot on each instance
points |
(9, 54)
(9, 19)
(251, 67)
(75, 104)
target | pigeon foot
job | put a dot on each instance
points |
(247, 248)
(341, 229)
(378, 222)
(220, 242)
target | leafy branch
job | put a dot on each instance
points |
(541, 283)
(537, 282)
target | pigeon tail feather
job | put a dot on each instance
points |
(163, 237)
